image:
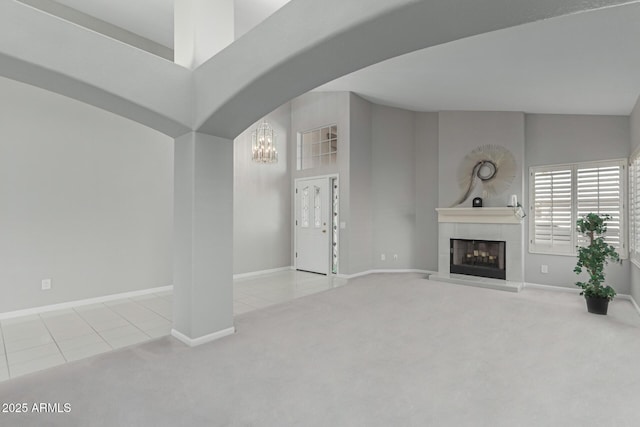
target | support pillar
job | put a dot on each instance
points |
(203, 238)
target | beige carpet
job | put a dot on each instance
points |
(385, 350)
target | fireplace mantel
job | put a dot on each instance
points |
(505, 215)
(496, 224)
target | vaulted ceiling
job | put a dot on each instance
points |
(584, 63)
(153, 19)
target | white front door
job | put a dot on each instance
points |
(313, 228)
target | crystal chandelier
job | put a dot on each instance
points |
(264, 144)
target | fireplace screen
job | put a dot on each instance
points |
(483, 258)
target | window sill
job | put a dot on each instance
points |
(624, 256)
(543, 252)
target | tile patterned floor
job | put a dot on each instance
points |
(40, 341)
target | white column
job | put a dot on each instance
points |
(201, 29)
(203, 238)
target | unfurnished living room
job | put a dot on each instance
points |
(319, 213)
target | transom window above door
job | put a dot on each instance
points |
(318, 147)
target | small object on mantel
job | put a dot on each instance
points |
(477, 202)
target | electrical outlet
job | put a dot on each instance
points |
(46, 284)
(544, 269)
(395, 257)
(383, 257)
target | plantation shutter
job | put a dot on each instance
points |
(634, 206)
(599, 190)
(552, 210)
(561, 194)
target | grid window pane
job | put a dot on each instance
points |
(318, 148)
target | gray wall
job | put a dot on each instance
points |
(87, 196)
(262, 232)
(396, 166)
(426, 191)
(556, 139)
(86, 199)
(311, 111)
(317, 109)
(391, 181)
(360, 203)
(388, 168)
(460, 132)
(394, 187)
(635, 143)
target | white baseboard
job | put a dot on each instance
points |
(78, 303)
(551, 288)
(351, 276)
(261, 272)
(578, 290)
(630, 298)
(193, 342)
(365, 273)
(478, 282)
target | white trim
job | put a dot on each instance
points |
(402, 270)
(570, 250)
(577, 291)
(636, 153)
(295, 212)
(261, 272)
(367, 272)
(482, 215)
(478, 282)
(352, 276)
(304, 178)
(78, 303)
(630, 298)
(546, 252)
(552, 288)
(594, 163)
(337, 233)
(632, 195)
(299, 155)
(193, 342)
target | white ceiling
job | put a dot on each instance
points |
(153, 19)
(249, 13)
(587, 63)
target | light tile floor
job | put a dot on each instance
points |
(40, 341)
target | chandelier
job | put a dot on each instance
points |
(264, 144)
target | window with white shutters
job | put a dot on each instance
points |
(600, 191)
(561, 194)
(552, 210)
(634, 207)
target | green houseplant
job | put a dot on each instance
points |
(593, 258)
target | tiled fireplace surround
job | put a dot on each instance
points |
(482, 224)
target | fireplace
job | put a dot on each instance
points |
(483, 258)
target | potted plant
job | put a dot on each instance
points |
(593, 258)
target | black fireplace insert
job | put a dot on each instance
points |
(483, 258)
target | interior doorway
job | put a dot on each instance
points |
(316, 224)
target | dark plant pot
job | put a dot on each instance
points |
(597, 305)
